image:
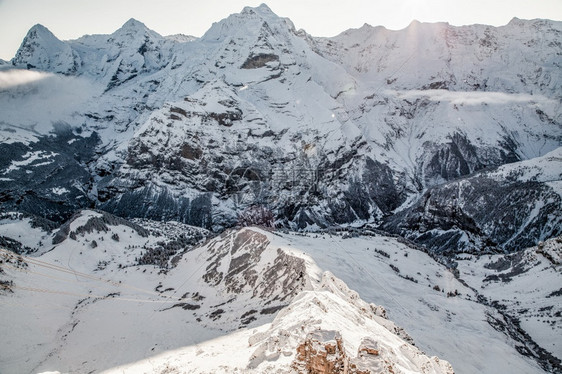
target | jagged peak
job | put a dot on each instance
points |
(39, 31)
(249, 21)
(134, 24)
(262, 12)
(370, 28)
(261, 9)
(134, 27)
(517, 22)
(38, 28)
(39, 47)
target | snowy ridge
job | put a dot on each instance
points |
(181, 38)
(462, 216)
(238, 279)
(314, 315)
(182, 302)
(544, 169)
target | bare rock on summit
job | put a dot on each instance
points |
(322, 352)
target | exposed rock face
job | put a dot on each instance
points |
(319, 131)
(42, 50)
(259, 61)
(322, 352)
(58, 184)
(367, 360)
(552, 250)
(236, 262)
(459, 157)
(510, 208)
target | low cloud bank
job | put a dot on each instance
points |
(34, 100)
(472, 97)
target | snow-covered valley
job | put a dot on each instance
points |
(80, 307)
(246, 299)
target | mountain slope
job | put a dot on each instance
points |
(95, 294)
(319, 131)
(145, 282)
(512, 207)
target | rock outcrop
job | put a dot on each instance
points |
(322, 352)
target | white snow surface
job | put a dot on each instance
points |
(100, 311)
(393, 94)
(15, 226)
(90, 308)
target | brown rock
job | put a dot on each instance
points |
(370, 351)
(322, 352)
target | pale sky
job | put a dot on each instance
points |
(70, 19)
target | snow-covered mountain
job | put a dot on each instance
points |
(100, 305)
(421, 167)
(319, 131)
(507, 208)
(101, 293)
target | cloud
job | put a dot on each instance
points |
(15, 77)
(471, 97)
(34, 100)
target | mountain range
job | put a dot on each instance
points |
(322, 132)
(432, 154)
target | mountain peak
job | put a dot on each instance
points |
(133, 24)
(262, 9)
(517, 22)
(247, 22)
(414, 23)
(39, 31)
(41, 49)
(38, 28)
(133, 28)
(370, 28)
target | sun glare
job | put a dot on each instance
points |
(415, 8)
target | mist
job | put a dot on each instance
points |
(473, 97)
(34, 100)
